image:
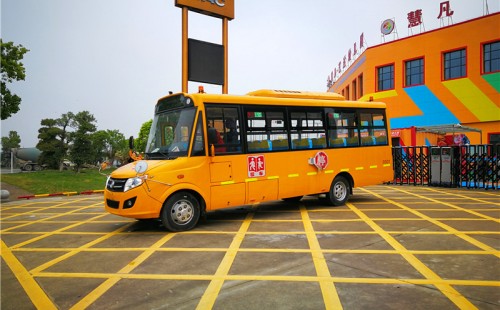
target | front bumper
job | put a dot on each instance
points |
(135, 203)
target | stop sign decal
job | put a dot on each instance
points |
(320, 160)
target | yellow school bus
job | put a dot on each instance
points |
(211, 151)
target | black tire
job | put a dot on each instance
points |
(181, 212)
(28, 167)
(38, 168)
(339, 191)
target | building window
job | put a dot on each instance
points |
(354, 90)
(385, 77)
(455, 64)
(414, 72)
(491, 57)
(360, 85)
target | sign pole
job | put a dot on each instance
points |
(184, 49)
(225, 45)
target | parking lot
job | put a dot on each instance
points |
(390, 247)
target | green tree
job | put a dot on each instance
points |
(12, 141)
(99, 145)
(81, 152)
(54, 139)
(50, 144)
(141, 141)
(12, 69)
(116, 143)
(109, 145)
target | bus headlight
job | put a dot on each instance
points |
(132, 183)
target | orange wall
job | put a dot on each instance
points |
(473, 99)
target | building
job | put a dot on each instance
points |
(439, 84)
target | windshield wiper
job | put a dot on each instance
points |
(158, 154)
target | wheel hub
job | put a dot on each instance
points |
(340, 191)
(182, 212)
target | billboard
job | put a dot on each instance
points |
(205, 62)
(217, 8)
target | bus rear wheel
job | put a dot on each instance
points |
(339, 191)
(180, 212)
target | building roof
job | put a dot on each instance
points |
(444, 129)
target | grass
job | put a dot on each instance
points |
(53, 181)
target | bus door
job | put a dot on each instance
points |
(265, 132)
(227, 187)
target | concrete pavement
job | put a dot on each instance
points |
(390, 247)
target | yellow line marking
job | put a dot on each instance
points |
(360, 168)
(463, 196)
(273, 177)
(37, 211)
(293, 175)
(207, 301)
(373, 166)
(77, 250)
(45, 235)
(226, 182)
(344, 170)
(457, 233)
(386, 165)
(208, 277)
(312, 173)
(251, 180)
(330, 295)
(452, 294)
(35, 292)
(328, 171)
(268, 250)
(106, 285)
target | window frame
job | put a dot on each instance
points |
(483, 69)
(421, 74)
(392, 78)
(464, 64)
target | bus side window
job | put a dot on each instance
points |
(223, 128)
(342, 128)
(308, 128)
(266, 130)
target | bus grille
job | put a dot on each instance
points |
(116, 185)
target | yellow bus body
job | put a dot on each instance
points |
(223, 181)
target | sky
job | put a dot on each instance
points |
(116, 58)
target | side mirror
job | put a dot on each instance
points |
(141, 167)
(131, 142)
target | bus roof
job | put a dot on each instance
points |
(290, 97)
(296, 94)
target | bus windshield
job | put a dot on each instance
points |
(169, 134)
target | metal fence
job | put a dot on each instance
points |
(471, 166)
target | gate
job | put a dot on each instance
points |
(470, 166)
(411, 165)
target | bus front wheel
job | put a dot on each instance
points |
(180, 212)
(339, 191)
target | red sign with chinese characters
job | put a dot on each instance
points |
(415, 18)
(320, 160)
(256, 166)
(445, 8)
